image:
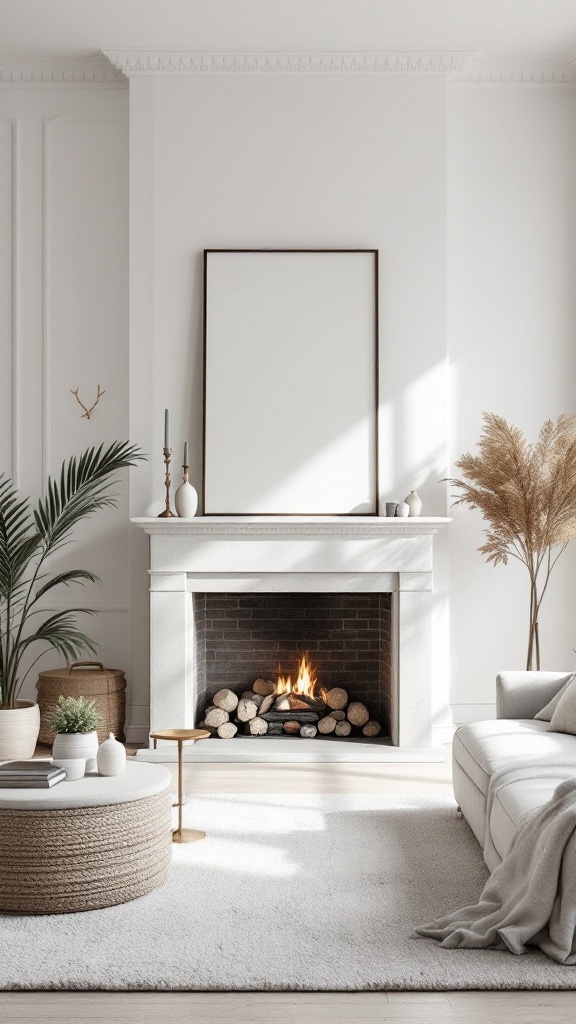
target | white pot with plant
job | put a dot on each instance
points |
(75, 721)
(28, 539)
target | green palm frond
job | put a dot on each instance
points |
(81, 490)
(27, 540)
(65, 579)
(17, 546)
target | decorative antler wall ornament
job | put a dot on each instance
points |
(88, 412)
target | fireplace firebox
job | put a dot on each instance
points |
(295, 648)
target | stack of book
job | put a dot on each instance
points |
(30, 774)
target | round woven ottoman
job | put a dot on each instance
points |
(86, 844)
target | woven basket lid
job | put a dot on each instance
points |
(82, 671)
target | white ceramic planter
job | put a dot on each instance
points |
(73, 745)
(19, 728)
(111, 758)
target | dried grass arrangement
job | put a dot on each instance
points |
(527, 494)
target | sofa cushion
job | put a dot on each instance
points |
(482, 748)
(564, 716)
(512, 802)
(545, 715)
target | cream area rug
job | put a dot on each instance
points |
(287, 893)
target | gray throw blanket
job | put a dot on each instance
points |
(530, 898)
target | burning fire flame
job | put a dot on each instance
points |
(304, 684)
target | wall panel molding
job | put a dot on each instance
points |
(14, 203)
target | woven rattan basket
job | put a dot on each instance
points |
(105, 686)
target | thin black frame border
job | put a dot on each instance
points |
(316, 515)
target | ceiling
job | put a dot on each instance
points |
(542, 29)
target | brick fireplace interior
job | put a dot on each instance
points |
(346, 637)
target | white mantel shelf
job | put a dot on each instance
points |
(323, 525)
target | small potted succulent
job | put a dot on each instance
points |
(75, 720)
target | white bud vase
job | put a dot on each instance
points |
(186, 498)
(402, 510)
(111, 759)
(414, 502)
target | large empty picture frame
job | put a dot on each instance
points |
(290, 382)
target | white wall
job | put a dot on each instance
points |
(466, 191)
(63, 311)
(289, 162)
(512, 325)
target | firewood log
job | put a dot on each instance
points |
(282, 702)
(227, 730)
(210, 728)
(266, 704)
(336, 698)
(339, 716)
(310, 717)
(247, 709)
(258, 699)
(264, 687)
(249, 694)
(372, 728)
(326, 725)
(216, 717)
(343, 729)
(275, 729)
(292, 727)
(258, 727)
(308, 732)
(357, 713)
(226, 700)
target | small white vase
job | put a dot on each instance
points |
(402, 510)
(186, 499)
(414, 502)
(71, 745)
(111, 758)
(74, 767)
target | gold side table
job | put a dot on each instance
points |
(181, 835)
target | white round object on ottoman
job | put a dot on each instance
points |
(111, 758)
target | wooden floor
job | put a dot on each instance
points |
(296, 1008)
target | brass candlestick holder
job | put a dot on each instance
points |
(167, 513)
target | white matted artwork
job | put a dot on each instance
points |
(291, 382)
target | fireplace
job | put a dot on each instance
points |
(276, 652)
(290, 578)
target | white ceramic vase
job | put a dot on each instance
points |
(111, 758)
(73, 766)
(19, 728)
(402, 510)
(414, 502)
(186, 499)
(72, 745)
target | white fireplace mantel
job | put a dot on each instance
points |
(298, 554)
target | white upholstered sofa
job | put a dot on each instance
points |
(515, 738)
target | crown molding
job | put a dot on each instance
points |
(64, 71)
(173, 63)
(517, 71)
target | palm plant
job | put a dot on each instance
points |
(527, 493)
(28, 538)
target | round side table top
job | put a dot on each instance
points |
(137, 781)
(180, 734)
